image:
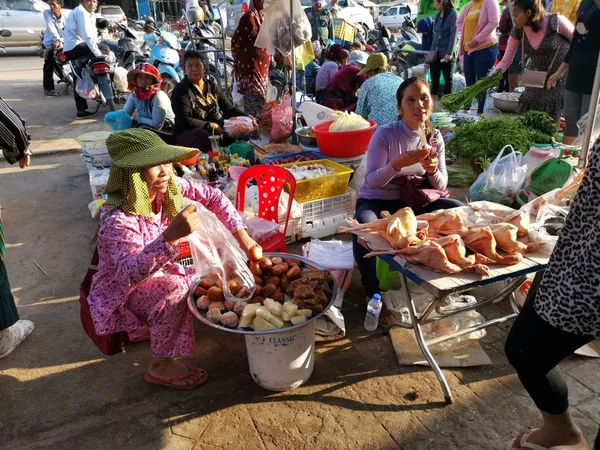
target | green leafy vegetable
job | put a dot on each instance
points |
(482, 140)
(540, 121)
(458, 100)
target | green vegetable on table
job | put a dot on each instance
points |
(540, 121)
(458, 100)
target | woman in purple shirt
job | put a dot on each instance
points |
(396, 152)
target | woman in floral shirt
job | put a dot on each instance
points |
(138, 280)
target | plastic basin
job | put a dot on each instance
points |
(343, 144)
(190, 162)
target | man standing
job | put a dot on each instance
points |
(320, 23)
(81, 40)
(53, 39)
(333, 8)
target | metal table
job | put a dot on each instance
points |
(441, 286)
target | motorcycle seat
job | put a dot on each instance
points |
(96, 59)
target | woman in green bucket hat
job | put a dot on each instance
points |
(138, 282)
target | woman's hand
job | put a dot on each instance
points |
(409, 158)
(245, 241)
(553, 80)
(183, 224)
(472, 44)
(447, 58)
(25, 161)
(430, 165)
(216, 128)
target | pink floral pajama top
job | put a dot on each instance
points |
(133, 250)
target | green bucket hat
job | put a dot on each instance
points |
(132, 151)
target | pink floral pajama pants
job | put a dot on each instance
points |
(161, 302)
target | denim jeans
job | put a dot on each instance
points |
(476, 66)
(369, 210)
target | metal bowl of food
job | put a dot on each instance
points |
(306, 136)
(506, 101)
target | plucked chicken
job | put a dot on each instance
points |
(481, 240)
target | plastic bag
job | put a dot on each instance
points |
(345, 121)
(261, 229)
(501, 182)
(239, 127)
(548, 226)
(120, 79)
(215, 251)
(86, 87)
(238, 99)
(582, 124)
(282, 119)
(275, 33)
(458, 82)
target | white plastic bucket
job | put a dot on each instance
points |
(282, 361)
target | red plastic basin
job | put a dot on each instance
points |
(190, 162)
(343, 144)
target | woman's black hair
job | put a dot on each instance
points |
(537, 12)
(60, 3)
(189, 54)
(400, 94)
(448, 6)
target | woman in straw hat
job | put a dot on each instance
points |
(153, 106)
(138, 280)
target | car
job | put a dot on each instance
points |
(24, 19)
(393, 17)
(112, 13)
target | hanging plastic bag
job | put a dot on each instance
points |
(275, 33)
(216, 254)
(502, 180)
(86, 87)
(238, 99)
(582, 124)
(347, 122)
(283, 120)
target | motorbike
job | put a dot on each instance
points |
(62, 70)
(165, 56)
(128, 51)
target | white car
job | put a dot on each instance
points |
(112, 13)
(24, 19)
(393, 17)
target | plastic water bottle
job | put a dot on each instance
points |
(373, 311)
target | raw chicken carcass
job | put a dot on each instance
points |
(354, 225)
(456, 250)
(430, 255)
(445, 221)
(481, 240)
(506, 238)
(402, 224)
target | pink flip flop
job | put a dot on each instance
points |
(171, 381)
(518, 444)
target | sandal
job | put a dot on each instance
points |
(18, 332)
(171, 382)
(520, 442)
(51, 93)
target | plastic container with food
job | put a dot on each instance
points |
(324, 186)
(343, 144)
(306, 136)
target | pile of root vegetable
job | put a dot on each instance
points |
(285, 295)
(444, 242)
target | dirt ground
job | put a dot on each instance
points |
(59, 392)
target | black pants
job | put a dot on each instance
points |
(369, 210)
(437, 68)
(82, 50)
(534, 348)
(49, 65)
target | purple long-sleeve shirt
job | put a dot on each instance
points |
(387, 143)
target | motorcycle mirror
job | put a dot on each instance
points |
(5, 33)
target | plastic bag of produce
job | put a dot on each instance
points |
(86, 87)
(283, 120)
(459, 176)
(238, 127)
(120, 79)
(216, 254)
(502, 180)
(347, 122)
(275, 32)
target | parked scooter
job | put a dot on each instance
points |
(62, 69)
(129, 53)
(165, 56)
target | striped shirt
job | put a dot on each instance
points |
(14, 139)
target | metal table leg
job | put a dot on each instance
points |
(416, 324)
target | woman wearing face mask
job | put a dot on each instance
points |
(395, 153)
(200, 106)
(545, 39)
(153, 106)
(138, 280)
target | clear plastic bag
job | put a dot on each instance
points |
(216, 253)
(548, 226)
(238, 127)
(261, 229)
(275, 33)
(345, 121)
(283, 120)
(582, 124)
(86, 87)
(120, 79)
(502, 180)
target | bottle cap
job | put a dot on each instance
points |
(377, 297)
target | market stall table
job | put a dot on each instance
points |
(441, 286)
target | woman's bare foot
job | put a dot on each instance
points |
(547, 437)
(176, 373)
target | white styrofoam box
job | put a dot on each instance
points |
(98, 180)
(323, 228)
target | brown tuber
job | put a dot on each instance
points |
(199, 291)
(273, 280)
(285, 283)
(207, 282)
(257, 299)
(234, 286)
(255, 268)
(255, 253)
(294, 273)
(265, 264)
(215, 294)
(278, 296)
(268, 290)
(280, 269)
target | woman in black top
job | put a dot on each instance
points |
(200, 106)
(581, 61)
(443, 45)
